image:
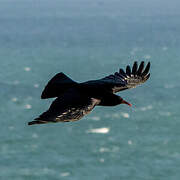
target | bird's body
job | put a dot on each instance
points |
(74, 100)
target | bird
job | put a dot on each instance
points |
(75, 100)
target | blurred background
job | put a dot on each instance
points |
(89, 40)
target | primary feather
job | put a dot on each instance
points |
(125, 80)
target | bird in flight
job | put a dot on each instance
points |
(75, 100)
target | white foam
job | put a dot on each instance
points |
(95, 118)
(149, 107)
(130, 142)
(147, 56)
(169, 86)
(101, 160)
(125, 115)
(63, 174)
(103, 130)
(36, 85)
(46, 171)
(27, 68)
(14, 99)
(103, 149)
(35, 135)
(28, 106)
(115, 115)
(134, 50)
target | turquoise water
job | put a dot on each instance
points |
(89, 40)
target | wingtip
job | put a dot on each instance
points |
(31, 123)
(146, 71)
(37, 121)
(140, 69)
(148, 76)
(134, 68)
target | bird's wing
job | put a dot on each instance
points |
(126, 79)
(57, 86)
(71, 106)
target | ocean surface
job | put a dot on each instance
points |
(89, 40)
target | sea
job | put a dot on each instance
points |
(90, 39)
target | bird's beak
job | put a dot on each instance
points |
(125, 102)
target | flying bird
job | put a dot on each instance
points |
(75, 100)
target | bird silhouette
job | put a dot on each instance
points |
(75, 100)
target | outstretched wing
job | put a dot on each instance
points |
(71, 106)
(57, 86)
(125, 80)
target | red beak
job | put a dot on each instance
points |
(125, 102)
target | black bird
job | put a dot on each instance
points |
(75, 100)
